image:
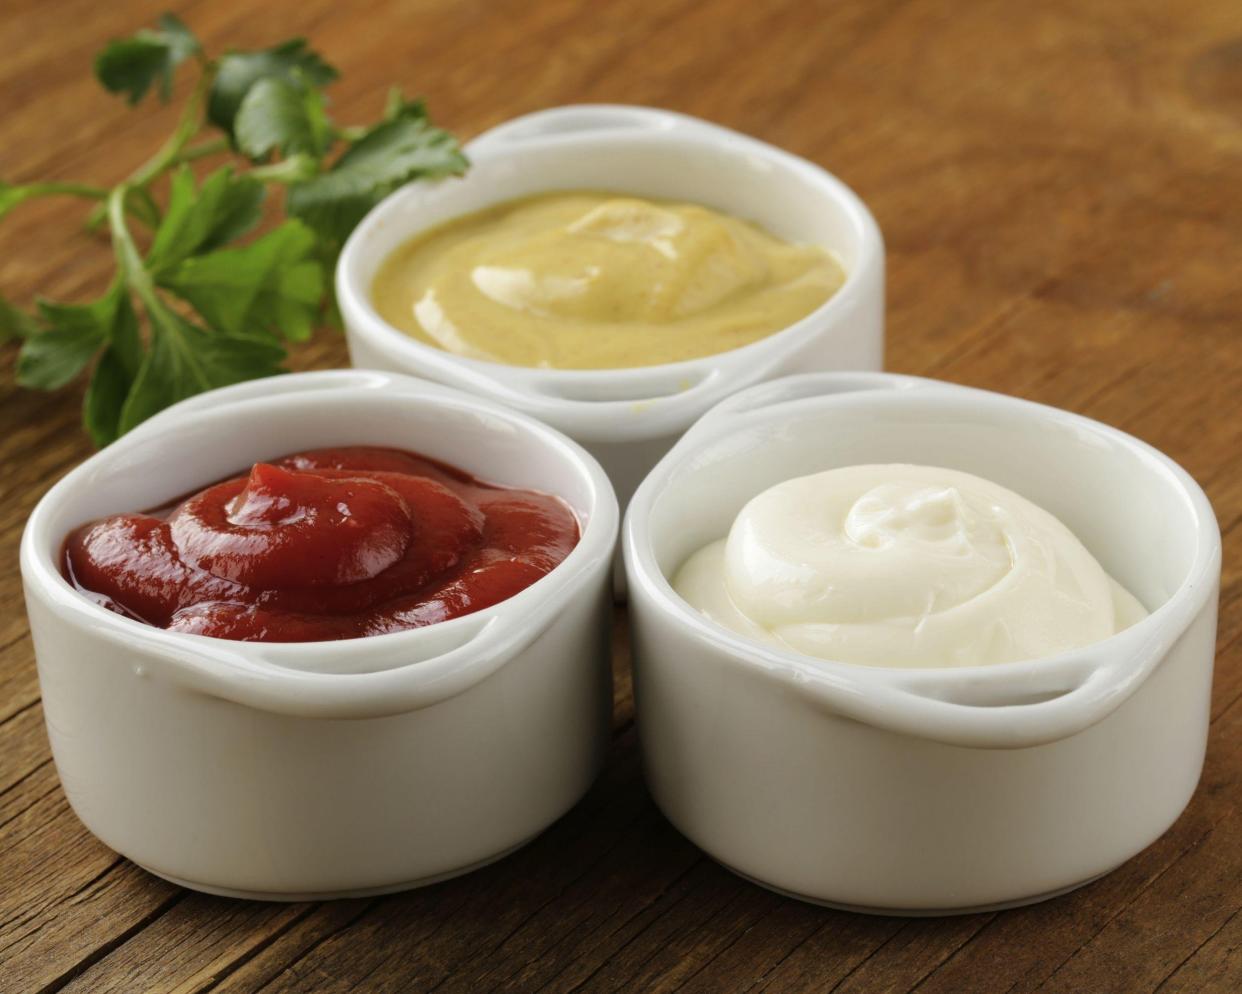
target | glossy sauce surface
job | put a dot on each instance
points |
(327, 544)
(905, 565)
(585, 280)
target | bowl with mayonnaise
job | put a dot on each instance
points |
(909, 647)
(615, 272)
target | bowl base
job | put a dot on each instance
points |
(299, 896)
(916, 912)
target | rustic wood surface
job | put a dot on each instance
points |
(1060, 186)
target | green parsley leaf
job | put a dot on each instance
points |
(273, 286)
(132, 65)
(387, 156)
(238, 211)
(292, 62)
(279, 115)
(223, 209)
(113, 376)
(15, 323)
(184, 360)
(396, 107)
(52, 357)
(105, 396)
(236, 304)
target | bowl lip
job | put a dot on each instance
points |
(1161, 626)
(362, 319)
(535, 605)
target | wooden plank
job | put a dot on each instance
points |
(1213, 966)
(193, 946)
(26, 772)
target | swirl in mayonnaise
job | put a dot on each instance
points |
(899, 565)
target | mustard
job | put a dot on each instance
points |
(581, 280)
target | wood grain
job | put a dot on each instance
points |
(1060, 187)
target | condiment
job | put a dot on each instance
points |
(597, 281)
(898, 565)
(330, 544)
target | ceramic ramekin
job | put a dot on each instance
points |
(628, 418)
(325, 769)
(924, 791)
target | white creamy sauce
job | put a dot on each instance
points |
(899, 565)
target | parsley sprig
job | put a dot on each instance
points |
(202, 306)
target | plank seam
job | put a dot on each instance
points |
(9, 645)
(25, 707)
(628, 942)
(1120, 911)
(348, 923)
(69, 899)
(762, 982)
(962, 945)
(1237, 697)
(34, 828)
(867, 959)
(600, 857)
(21, 780)
(247, 955)
(565, 938)
(765, 977)
(742, 933)
(654, 953)
(1194, 952)
(97, 954)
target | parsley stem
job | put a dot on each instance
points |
(201, 150)
(188, 126)
(15, 195)
(128, 258)
(162, 322)
(51, 189)
(299, 166)
(174, 151)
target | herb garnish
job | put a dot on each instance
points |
(216, 311)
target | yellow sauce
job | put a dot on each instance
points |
(584, 280)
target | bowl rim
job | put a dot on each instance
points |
(261, 671)
(1095, 676)
(617, 125)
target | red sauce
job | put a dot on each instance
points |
(329, 544)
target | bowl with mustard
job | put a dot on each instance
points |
(616, 271)
(909, 647)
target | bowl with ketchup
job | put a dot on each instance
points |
(330, 634)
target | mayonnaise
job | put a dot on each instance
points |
(898, 565)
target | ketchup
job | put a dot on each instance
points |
(328, 544)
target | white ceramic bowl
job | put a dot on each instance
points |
(291, 771)
(628, 418)
(924, 791)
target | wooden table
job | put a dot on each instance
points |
(1060, 185)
